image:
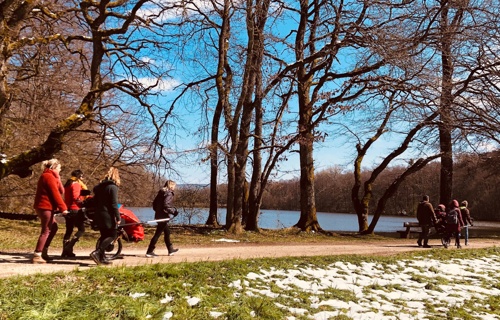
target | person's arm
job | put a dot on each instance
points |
(55, 195)
(460, 220)
(76, 189)
(114, 202)
(168, 205)
(432, 214)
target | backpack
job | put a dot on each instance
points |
(158, 202)
(452, 217)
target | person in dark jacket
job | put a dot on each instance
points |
(468, 221)
(163, 207)
(107, 216)
(48, 201)
(454, 228)
(76, 218)
(426, 219)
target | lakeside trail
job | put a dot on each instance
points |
(18, 263)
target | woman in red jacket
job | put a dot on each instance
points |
(454, 221)
(48, 200)
(75, 218)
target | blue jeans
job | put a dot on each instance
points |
(466, 234)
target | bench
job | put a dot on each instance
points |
(411, 227)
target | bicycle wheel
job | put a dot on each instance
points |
(114, 249)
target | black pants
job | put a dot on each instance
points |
(107, 237)
(424, 235)
(161, 227)
(75, 218)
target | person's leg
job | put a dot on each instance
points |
(160, 227)
(70, 223)
(457, 239)
(80, 224)
(106, 238)
(166, 237)
(466, 235)
(53, 230)
(420, 237)
(425, 235)
(44, 216)
(168, 243)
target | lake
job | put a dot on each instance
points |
(278, 219)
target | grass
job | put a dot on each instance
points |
(195, 290)
(22, 235)
(254, 288)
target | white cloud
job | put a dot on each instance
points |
(160, 85)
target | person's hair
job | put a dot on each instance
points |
(170, 185)
(113, 175)
(465, 203)
(50, 164)
(425, 198)
(77, 173)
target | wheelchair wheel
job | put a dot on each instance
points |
(113, 250)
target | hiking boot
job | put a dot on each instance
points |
(172, 251)
(45, 255)
(151, 255)
(68, 248)
(37, 258)
(68, 255)
(95, 255)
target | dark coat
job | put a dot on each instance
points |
(163, 205)
(455, 227)
(466, 216)
(106, 205)
(425, 214)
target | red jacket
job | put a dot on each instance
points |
(72, 195)
(49, 192)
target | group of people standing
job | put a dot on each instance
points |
(453, 218)
(53, 197)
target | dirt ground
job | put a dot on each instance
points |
(18, 263)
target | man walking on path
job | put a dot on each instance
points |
(426, 218)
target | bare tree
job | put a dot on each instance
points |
(83, 30)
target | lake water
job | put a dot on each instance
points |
(278, 219)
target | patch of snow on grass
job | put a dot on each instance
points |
(401, 290)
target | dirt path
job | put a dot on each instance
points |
(19, 263)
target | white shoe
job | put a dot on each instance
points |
(151, 255)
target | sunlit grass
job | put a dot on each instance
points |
(22, 235)
(164, 289)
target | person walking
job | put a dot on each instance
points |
(107, 215)
(75, 218)
(454, 221)
(48, 201)
(468, 221)
(163, 207)
(426, 218)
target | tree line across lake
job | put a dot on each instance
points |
(475, 181)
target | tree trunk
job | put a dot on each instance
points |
(447, 33)
(223, 84)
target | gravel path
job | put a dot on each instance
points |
(18, 263)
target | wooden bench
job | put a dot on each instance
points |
(411, 227)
